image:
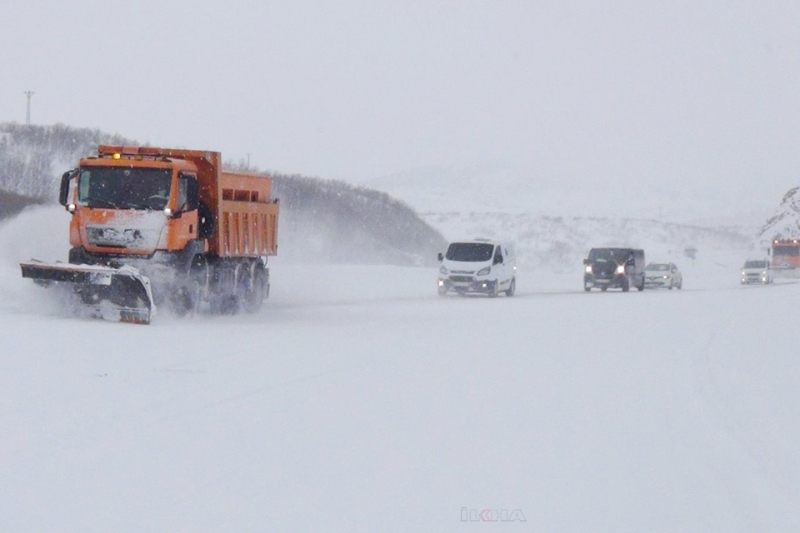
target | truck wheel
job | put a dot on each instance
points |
(604, 288)
(512, 288)
(190, 292)
(224, 298)
(626, 285)
(254, 289)
(200, 275)
(587, 288)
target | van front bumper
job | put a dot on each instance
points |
(614, 282)
(466, 284)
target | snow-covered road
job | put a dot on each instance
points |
(358, 400)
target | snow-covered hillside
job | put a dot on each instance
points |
(554, 226)
(32, 158)
(559, 243)
(785, 222)
(321, 220)
(358, 400)
(499, 187)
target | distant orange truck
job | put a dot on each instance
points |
(785, 254)
(157, 225)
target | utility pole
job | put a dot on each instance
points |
(28, 109)
(248, 160)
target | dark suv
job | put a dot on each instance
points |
(617, 268)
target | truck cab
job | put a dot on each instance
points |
(478, 266)
(786, 254)
(127, 208)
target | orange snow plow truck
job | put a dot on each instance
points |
(154, 226)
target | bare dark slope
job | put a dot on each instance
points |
(321, 220)
(12, 203)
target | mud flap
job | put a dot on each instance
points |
(121, 294)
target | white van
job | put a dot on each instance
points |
(478, 266)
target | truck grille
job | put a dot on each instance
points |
(120, 238)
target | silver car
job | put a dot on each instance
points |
(756, 271)
(662, 275)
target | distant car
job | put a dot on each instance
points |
(478, 266)
(756, 271)
(666, 275)
(620, 268)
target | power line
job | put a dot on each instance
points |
(28, 108)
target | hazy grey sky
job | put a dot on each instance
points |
(702, 94)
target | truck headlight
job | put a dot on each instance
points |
(666, 277)
(620, 269)
(484, 271)
(588, 269)
(442, 271)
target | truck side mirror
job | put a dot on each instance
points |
(586, 262)
(63, 193)
(440, 256)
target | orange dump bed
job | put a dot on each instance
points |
(247, 217)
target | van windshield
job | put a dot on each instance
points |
(755, 264)
(469, 251)
(607, 255)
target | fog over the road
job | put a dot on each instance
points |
(678, 105)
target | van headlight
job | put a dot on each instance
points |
(484, 271)
(442, 271)
(588, 269)
(620, 269)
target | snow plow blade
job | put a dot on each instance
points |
(121, 294)
(782, 272)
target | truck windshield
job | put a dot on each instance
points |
(469, 251)
(124, 188)
(786, 250)
(608, 255)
